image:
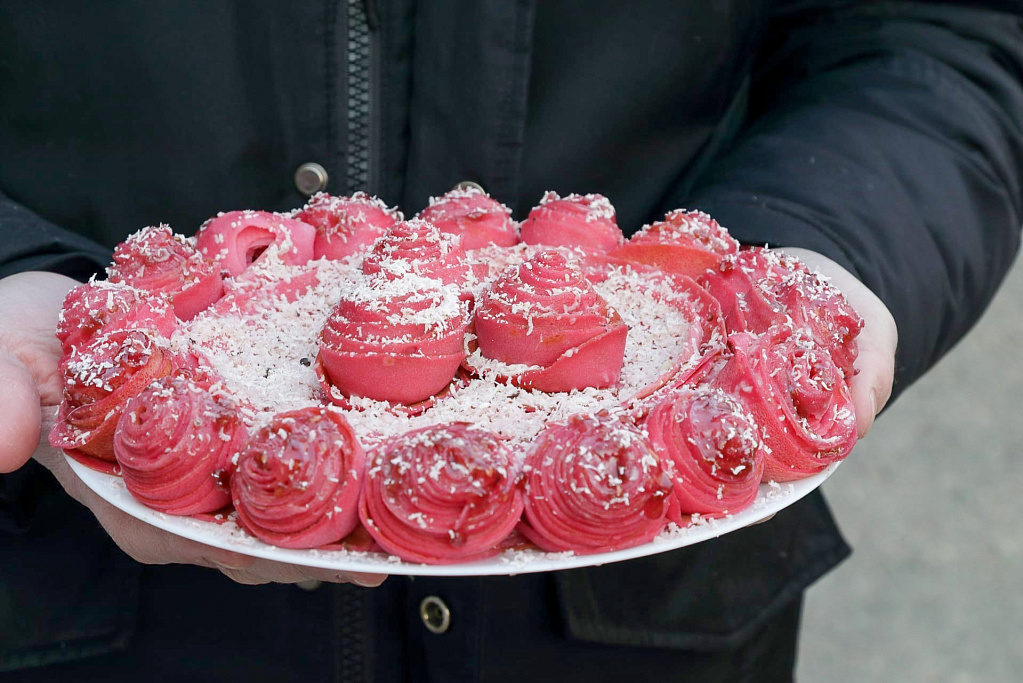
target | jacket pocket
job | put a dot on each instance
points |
(66, 591)
(711, 596)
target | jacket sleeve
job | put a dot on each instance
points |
(29, 242)
(889, 137)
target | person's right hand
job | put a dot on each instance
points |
(30, 389)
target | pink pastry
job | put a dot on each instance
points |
(346, 225)
(473, 215)
(759, 288)
(685, 242)
(442, 494)
(417, 247)
(584, 221)
(544, 314)
(797, 394)
(158, 260)
(714, 448)
(399, 340)
(98, 380)
(100, 307)
(237, 239)
(174, 442)
(593, 484)
(298, 479)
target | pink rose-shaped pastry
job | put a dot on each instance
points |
(346, 225)
(399, 340)
(98, 380)
(417, 247)
(593, 484)
(174, 442)
(585, 221)
(714, 447)
(797, 394)
(440, 494)
(685, 242)
(237, 239)
(546, 315)
(100, 307)
(158, 260)
(759, 288)
(472, 214)
(298, 479)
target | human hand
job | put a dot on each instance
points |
(30, 388)
(871, 387)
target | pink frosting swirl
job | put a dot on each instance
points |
(174, 442)
(416, 247)
(346, 225)
(585, 221)
(394, 340)
(545, 314)
(235, 240)
(158, 260)
(472, 214)
(593, 484)
(797, 394)
(99, 307)
(685, 242)
(759, 288)
(298, 479)
(715, 449)
(98, 380)
(441, 494)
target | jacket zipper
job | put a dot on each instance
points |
(360, 115)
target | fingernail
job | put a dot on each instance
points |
(873, 402)
(366, 580)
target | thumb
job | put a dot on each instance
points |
(20, 420)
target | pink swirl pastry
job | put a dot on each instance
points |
(237, 239)
(441, 494)
(416, 247)
(715, 449)
(546, 315)
(593, 485)
(394, 340)
(685, 242)
(158, 260)
(759, 288)
(472, 214)
(99, 307)
(797, 394)
(346, 225)
(98, 380)
(585, 221)
(174, 442)
(298, 479)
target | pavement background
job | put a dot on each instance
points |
(932, 503)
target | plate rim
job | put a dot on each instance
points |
(771, 498)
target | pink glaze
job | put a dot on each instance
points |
(236, 239)
(346, 225)
(584, 221)
(473, 215)
(442, 494)
(298, 479)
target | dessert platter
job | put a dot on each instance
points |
(457, 393)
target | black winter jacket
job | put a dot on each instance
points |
(886, 135)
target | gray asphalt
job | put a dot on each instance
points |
(932, 503)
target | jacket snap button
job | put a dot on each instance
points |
(310, 178)
(435, 614)
(469, 185)
(310, 585)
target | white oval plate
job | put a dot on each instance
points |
(771, 498)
